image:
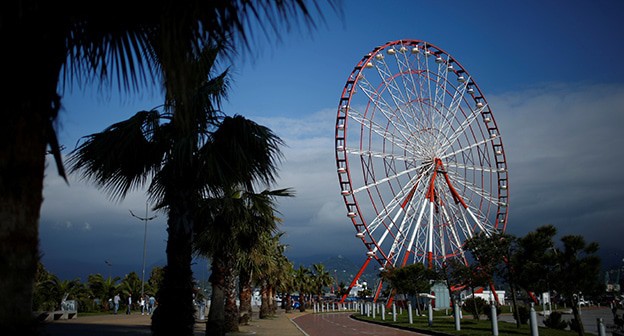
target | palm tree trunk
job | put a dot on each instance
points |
(272, 301)
(302, 302)
(231, 309)
(244, 279)
(288, 303)
(264, 305)
(22, 154)
(175, 313)
(514, 303)
(215, 326)
(577, 317)
(30, 106)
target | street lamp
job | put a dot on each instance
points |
(145, 219)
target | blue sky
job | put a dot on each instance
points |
(549, 70)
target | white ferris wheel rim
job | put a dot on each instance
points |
(420, 160)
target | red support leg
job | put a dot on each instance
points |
(344, 297)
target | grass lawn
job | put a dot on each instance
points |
(444, 325)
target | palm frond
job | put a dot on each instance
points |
(240, 152)
(122, 157)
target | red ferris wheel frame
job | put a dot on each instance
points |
(422, 138)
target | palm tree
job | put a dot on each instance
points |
(232, 227)
(103, 288)
(52, 43)
(283, 279)
(303, 283)
(286, 282)
(321, 279)
(160, 147)
(268, 269)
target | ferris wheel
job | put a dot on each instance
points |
(420, 160)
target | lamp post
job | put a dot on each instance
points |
(145, 219)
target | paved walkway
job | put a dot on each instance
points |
(139, 325)
(294, 323)
(340, 324)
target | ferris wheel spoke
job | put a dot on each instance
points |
(453, 236)
(377, 129)
(400, 98)
(384, 107)
(473, 167)
(441, 80)
(465, 125)
(451, 111)
(458, 179)
(407, 218)
(386, 179)
(399, 201)
(379, 155)
(409, 85)
(467, 148)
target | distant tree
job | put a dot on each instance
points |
(303, 284)
(475, 306)
(103, 289)
(409, 280)
(54, 290)
(492, 254)
(364, 293)
(450, 271)
(43, 298)
(155, 280)
(342, 289)
(131, 286)
(321, 279)
(578, 272)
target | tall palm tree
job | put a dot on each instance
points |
(161, 147)
(170, 148)
(52, 43)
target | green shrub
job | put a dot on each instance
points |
(554, 321)
(487, 310)
(475, 306)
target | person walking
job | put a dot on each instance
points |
(129, 303)
(142, 305)
(116, 302)
(152, 303)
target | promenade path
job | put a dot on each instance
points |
(294, 323)
(291, 324)
(340, 324)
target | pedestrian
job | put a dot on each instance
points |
(116, 302)
(142, 305)
(152, 303)
(129, 303)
